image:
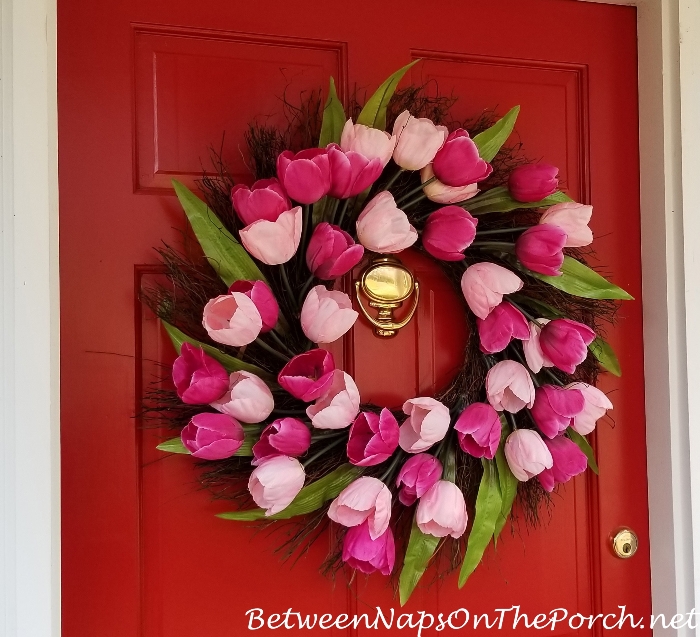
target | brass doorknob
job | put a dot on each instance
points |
(625, 543)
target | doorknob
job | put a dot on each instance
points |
(625, 543)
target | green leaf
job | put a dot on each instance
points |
(310, 498)
(174, 445)
(226, 255)
(585, 447)
(579, 280)
(333, 118)
(230, 363)
(488, 508)
(507, 482)
(606, 356)
(421, 548)
(499, 200)
(374, 112)
(489, 142)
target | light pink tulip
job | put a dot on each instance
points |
(275, 482)
(248, 398)
(565, 343)
(448, 232)
(479, 430)
(364, 499)
(596, 405)
(418, 474)
(382, 227)
(305, 175)
(458, 162)
(504, 323)
(368, 555)
(442, 510)
(308, 375)
(332, 252)
(265, 199)
(484, 284)
(568, 461)
(198, 378)
(534, 356)
(373, 438)
(274, 242)
(351, 172)
(417, 141)
(441, 193)
(338, 406)
(232, 319)
(555, 407)
(539, 249)
(427, 423)
(509, 387)
(261, 294)
(212, 436)
(526, 454)
(326, 315)
(533, 182)
(282, 437)
(572, 218)
(370, 142)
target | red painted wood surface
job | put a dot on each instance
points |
(144, 88)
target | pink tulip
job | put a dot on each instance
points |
(351, 172)
(479, 430)
(509, 387)
(448, 232)
(265, 199)
(458, 163)
(427, 423)
(526, 454)
(534, 356)
(248, 398)
(382, 227)
(555, 407)
(275, 482)
(306, 175)
(441, 193)
(533, 182)
(282, 437)
(539, 249)
(370, 142)
(274, 242)
(484, 284)
(368, 555)
(373, 438)
(504, 323)
(567, 461)
(365, 499)
(232, 319)
(418, 474)
(442, 510)
(198, 378)
(572, 218)
(212, 436)
(596, 405)
(307, 375)
(565, 343)
(418, 140)
(261, 294)
(338, 406)
(326, 315)
(332, 252)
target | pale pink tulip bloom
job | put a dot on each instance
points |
(248, 398)
(534, 356)
(260, 293)
(442, 193)
(232, 319)
(364, 499)
(338, 406)
(370, 142)
(484, 284)
(442, 510)
(275, 482)
(427, 423)
(509, 387)
(274, 242)
(572, 218)
(326, 314)
(526, 454)
(596, 404)
(417, 141)
(382, 227)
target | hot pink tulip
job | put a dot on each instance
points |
(418, 474)
(366, 555)
(365, 499)
(596, 404)
(326, 314)
(533, 182)
(567, 461)
(261, 294)
(509, 387)
(417, 141)
(274, 242)
(534, 356)
(212, 436)
(373, 438)
(539, 249)
(282, 437)
(370, 142)
(338, 406)
(448, 232)
(526, 454)
(265, 199)
(442, 510)
(382, 227)
(198, 378)
(479, 430)
(438, 192)
(307, 375)
(458, 163)
(248, 398)
(427, 423)
(275, 482)
(484, 284)
(351, 172)
(572, 218)
(555, 407)
(232, 319)
(504, 323)
(306, 175)
(565, 343)
(332, 252)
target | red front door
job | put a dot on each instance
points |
(144, 89)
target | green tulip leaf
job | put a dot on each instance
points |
(421, 548)
(174, 445)
(333, 118)
(507, 482)
(585, 447)
(606, 356)
(489, 142)
(374, 112)
(499, 200)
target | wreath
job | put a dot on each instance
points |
(283, 432)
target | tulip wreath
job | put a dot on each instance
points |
(284, 433)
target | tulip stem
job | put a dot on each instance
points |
(280, 342)
(392, 466)
(414, 201)
(524, 312)
(503, 246)
(394, 177)
(414, 191)
(511, 417)
(272, 350)
(553, 376)
(289, 412)
(343, 210)
(481, 233)
(327, 448)
(285, 280)
(304, 289)
(305, 230)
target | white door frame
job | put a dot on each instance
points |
(669, 89)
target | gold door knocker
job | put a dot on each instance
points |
(387, 283)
